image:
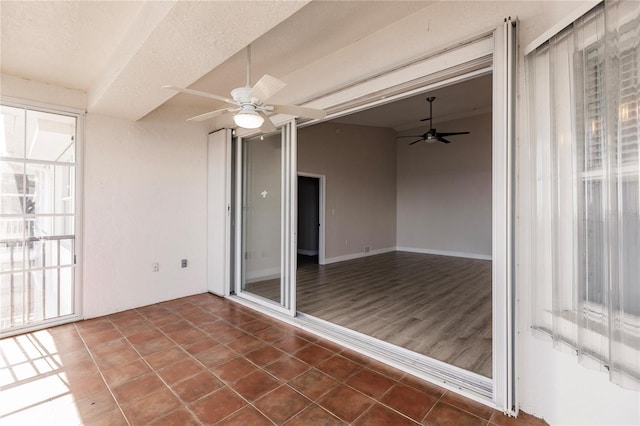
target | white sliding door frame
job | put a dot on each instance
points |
(492, 52)
(504, 71)
(488, 53)
(288, 258)
(78, 165)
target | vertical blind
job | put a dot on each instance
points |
(583, 93)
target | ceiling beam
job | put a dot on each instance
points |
(177, 43)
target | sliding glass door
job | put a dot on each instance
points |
(38, 167)
(265, 220)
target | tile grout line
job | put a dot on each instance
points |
(465, 411)
(227, 384)
(126, 419)
(151, 320)
(344, 382)
(143, 359)
(281, 383)
(186, 406)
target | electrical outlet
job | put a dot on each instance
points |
(367, 249)
(184, 263)
(155, 267)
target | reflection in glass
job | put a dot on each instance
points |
(12, 187)
(49, 189)
(11, 132)
(261, 216)
(50, 137)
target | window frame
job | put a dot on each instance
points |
(78, 163)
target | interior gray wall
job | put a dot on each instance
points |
(360, 167)
(444, 191)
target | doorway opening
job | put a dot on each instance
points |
(308, 220)
(409, 225)
(310, 228)
(475, 59)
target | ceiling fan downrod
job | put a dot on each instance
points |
(430, 99)
(248, 65)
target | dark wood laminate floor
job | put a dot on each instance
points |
(439, 306)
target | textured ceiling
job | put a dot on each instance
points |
(68, 44)
(120, 53)
(319, 29)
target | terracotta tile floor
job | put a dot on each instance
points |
(206, 360)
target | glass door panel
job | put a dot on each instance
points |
(262, 216)
(37, 218)
(265, 219)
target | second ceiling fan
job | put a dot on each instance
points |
(250, 105)
(432, 135)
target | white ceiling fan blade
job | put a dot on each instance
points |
(300, 111)
(266, 87)
(267, 125)
(199, 93)
(208, 115)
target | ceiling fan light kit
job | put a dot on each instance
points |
(248, 118)
(250, 103)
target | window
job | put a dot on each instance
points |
(583, 90)
(38, 169)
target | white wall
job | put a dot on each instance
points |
(566, 393)
(31, 90)
(145, 201)
(359, 163)
(444, 191)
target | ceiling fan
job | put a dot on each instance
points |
(249, 103)
(432, 135)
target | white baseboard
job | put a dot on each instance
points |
(445, 253)
(308, 252)
(271, 273)
(352, 256)
(262, 275)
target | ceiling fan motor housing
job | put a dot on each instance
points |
(241, 95)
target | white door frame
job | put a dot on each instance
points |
(321, 213)
(489, 52)
(288, 259)
(78, 259)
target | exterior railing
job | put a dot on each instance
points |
(31, 280)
